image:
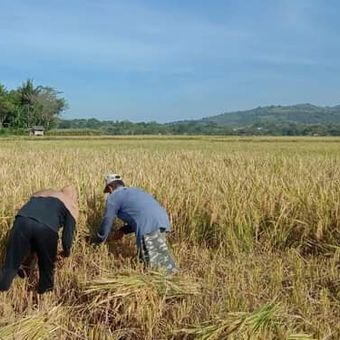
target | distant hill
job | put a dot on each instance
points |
(294, 114)
(294, 120)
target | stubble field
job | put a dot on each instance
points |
(256, 234)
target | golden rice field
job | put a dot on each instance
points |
(256, 233)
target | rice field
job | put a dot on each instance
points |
(256, 234)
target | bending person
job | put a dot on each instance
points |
(35, 230)
(143, 216)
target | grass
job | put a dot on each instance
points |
(255, 233)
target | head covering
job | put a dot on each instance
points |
(112, 178)
(67, 195)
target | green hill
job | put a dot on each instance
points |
(295, 114)
(295, 120)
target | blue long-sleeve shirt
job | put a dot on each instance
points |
(138, 209)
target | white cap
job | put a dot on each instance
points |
(112, 178)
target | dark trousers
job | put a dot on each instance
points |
(26, 237)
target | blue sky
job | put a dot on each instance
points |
(170, 60)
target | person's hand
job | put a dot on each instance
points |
(92, 240)
(118, 234)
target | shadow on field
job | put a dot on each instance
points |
(123, 248)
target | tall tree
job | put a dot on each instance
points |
(48, 106)
(40, 105)
(28, 94)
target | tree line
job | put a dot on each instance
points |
(95, 126)
(30, 105)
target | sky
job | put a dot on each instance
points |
(170, 60)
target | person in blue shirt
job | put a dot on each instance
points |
(142, 215)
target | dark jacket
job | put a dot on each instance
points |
(51, 212)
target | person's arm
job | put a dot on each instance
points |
(68, 233)
(111, 210)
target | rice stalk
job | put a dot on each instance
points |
(234, 323)
(40, 325)
(300, 336)
(131, 284)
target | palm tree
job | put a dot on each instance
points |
(28, 94)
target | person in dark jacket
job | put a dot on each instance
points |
(35, 230)
(142, 215)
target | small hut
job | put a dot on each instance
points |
(36, 131)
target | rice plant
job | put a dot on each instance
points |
(254, 221)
